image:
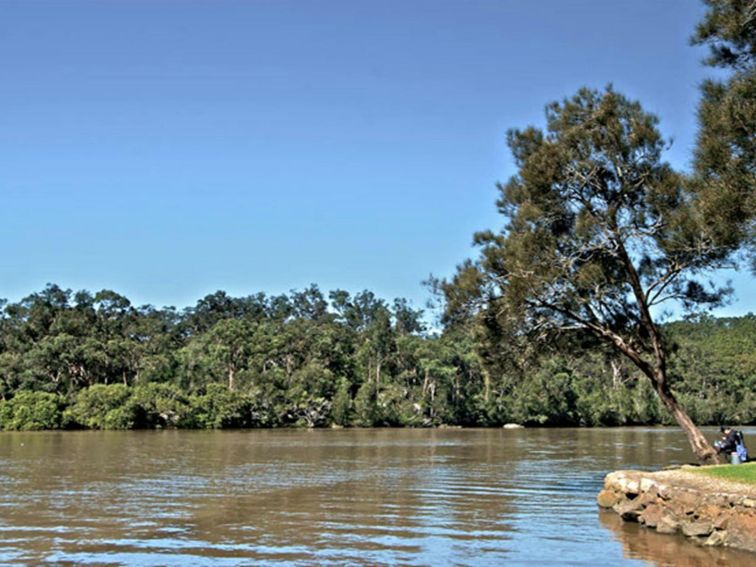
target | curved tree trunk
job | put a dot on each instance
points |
(657, 373)
(701, 447)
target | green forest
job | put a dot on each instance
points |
(309, 359)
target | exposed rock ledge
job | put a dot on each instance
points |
(707, 510)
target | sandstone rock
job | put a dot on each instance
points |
(607, 498)
(513, 426)
(647, 485)
(708, 512)
(721, 521)
(629, 510)
(741, 529)
(733, 499)
(749, 503)
(719, 500)
(651, 516)
(697, 529)
(716, 539)
(647, 498)
(667, 525)
(664, 491)
(687, 500)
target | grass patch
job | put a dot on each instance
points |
(739, 473)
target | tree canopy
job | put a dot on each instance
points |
(725, 155)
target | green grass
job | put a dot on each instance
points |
(740, 473)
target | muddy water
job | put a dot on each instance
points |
(425, 497)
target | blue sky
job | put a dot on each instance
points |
(170, 149)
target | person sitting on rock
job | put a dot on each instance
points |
(728, 443)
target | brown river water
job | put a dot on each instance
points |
(332, 497)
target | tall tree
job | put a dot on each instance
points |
(228, 346)
(600, 232)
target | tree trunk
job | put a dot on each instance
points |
(704, 452)
(700, 446)
(486, 385)
(616, 374)
(231, 379)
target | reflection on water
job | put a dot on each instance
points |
(641, 543)
(421, 497)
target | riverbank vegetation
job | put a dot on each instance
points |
(83, 360)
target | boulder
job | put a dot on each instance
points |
(651, 516)
(629, 486)
(648, 485)
(607, 498)
(664, 491)
(716, 539)
(697, 529)
(647, 498)
(720, 522)
(513, 426)
(686, 501)
(667, 525)
(741, 529)
(707, 512)
(629, 510)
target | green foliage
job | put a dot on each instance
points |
(28, 411)
(717, 357)
(160, 405)
(341, 411)
(365, 406)
(103, 407)
(219, 408)
(725, 156)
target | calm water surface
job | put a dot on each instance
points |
(415, 497)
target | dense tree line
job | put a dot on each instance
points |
(82, 360)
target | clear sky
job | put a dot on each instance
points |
(170, 149)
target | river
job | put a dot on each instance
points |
(381, 496)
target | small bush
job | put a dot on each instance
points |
(159, 405)
(219, 408)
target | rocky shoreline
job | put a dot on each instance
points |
(709, 511)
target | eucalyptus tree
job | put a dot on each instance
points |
(601, 234)
(228, 346)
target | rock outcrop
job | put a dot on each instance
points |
(709, 511)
